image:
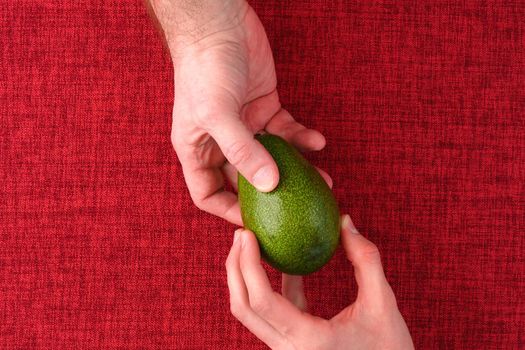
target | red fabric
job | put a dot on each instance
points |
(422, 104)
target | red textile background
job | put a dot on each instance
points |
(423, 107)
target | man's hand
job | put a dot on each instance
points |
(373, 321)
(225, 92)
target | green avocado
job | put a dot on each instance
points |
(297, 224)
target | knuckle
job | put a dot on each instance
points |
(369, 254)
(238, 153)
(206, 119)
(203, 114)
(259, 305)
(180, 140)
(174, 140)
(231, 261)
(228, 263)
(199, 203)
(236, 310)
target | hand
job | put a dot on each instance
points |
(225, 92)
(373, 321)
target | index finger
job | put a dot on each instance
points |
(239, 304)
(206, 187)
(268, 304)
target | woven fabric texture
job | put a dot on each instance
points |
(423, 107)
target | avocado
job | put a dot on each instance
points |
(296, 224)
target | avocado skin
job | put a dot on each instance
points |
(297, 224)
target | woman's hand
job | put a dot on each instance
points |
(373, 321)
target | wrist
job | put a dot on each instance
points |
(185, 22)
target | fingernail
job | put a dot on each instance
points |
(347, 224)
(263, 180)
(236, 235)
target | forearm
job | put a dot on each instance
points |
(185, 21)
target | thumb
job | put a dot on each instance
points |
(246, 154)
(365, 258)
